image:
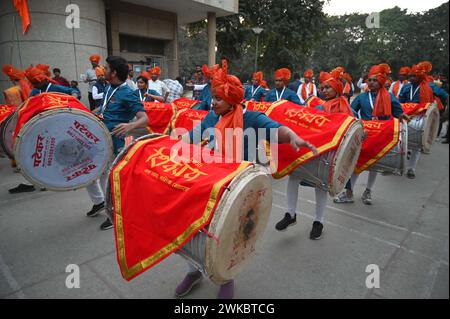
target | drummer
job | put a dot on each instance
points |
(332, 91)
(120, 105)
(205, 97)
(377, 104)
(255, 92)
(41, 81)
(397, 86)
(281, 90)
(308, 88)
(144, 93)
(228, 93)
(420, 90)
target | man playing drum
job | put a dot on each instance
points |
(281, 91)
(420, 90)
(331, 89)
(255, 92)
(377, 104)
(228, 93)
(120, 105)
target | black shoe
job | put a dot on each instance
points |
(107, 224)
(286, 221)
(96, 209)
(22, 188)
(411, 174)
(316, 231)
(445, 141)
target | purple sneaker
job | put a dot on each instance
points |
(188, 283)
(226, 291)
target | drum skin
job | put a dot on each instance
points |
(63, 149)
(422, 130)
(6, 134)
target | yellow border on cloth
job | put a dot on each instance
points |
(337, 137)
(384, 151)
(169, 126)
(129, 272)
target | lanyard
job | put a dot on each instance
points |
(48, 88)
(411, 92)
(106, 99)
(255, 90)
(140, 95)
(282, 92)
(370, 99)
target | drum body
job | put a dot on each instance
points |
(6, 134)
(63, 149)
(422, 130)
(331, 171)
(394, 163)
(239, 221)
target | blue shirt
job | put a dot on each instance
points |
(363, 109)
(294, 86)
(252, 120)
(146, 99)
(405, 93)
(205, 98)
(50, 87)
(257, 95)
(120, 108)
(288, 94)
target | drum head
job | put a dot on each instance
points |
(346, 158)
(430, 129)
(6, 134)
(63, 149)
(404, 145)
(239, 222)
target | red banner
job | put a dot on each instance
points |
(159, 116)
(180, 199)
(382, 137)
(44, 102)
(184, 103)
(314, 102)
(323, 130)
(5, 111)
(415, 109)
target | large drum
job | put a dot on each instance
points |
(422, 130)
(6, 134)
(63, 148)
(394, 163)
(239, 221)
(331, 170)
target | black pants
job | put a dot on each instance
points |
(91, 101)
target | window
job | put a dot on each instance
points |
(134, 44)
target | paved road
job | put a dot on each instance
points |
(405, 233)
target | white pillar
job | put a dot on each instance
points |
(212, 26)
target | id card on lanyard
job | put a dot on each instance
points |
(107, 99)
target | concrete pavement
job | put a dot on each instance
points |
(405, 232)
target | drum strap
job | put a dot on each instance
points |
(282, 92)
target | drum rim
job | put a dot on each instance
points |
(356, 125)
(426, 148)
(47, 113)
(217, 219)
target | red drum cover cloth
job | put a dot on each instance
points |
(186, 118)
(382, 137)
(314, 102)
(159, 116)
(44, 102)
(325, 131)
(184, 103)
(5, 111)
(161, 203)
(415, 109)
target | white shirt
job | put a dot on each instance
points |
(95, 94)
(308, 88)
(158, 86)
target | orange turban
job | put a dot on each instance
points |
(13, 73)
(421, 70)
(340, 103)
(404, 70)
(146, 75)
(231, 90)
(308, 74)
(258, 76)
(347, 77)
(95, 58)
(382, 106)
(156, 70)
(100, 71)
(209, 72)
(284, 74)
(37, 75)
(45, 68)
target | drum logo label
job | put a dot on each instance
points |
(85, 131)
(84, 171)
(37, 156)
